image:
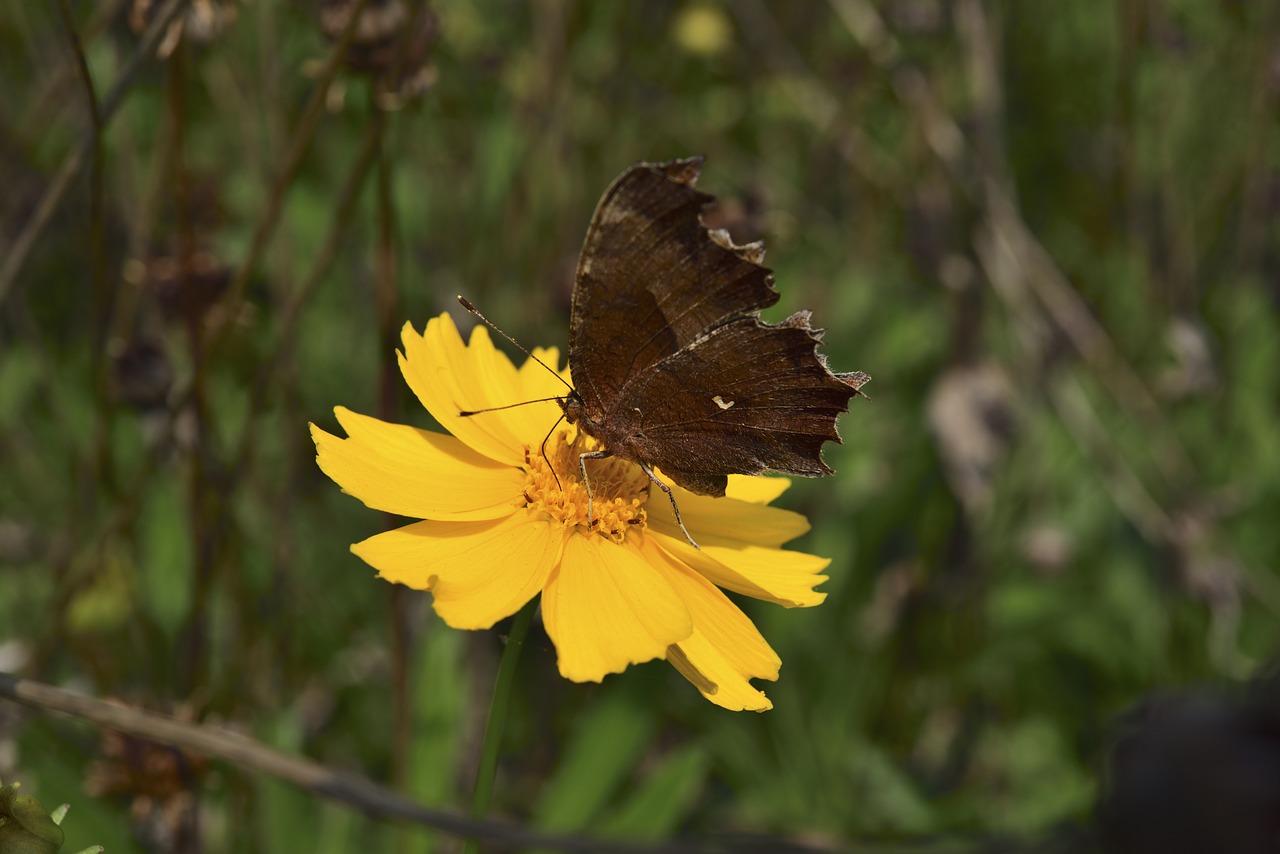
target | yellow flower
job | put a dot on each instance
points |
(500, 527)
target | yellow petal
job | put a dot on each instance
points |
(478, 572)
(727, 519)
(605, 607)
(774, 575)
(720, 621)
(727, 690)
(725, 650)
(411, 472)
(449, 377)
(757, 490)
(535, 379)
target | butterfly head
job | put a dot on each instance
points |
(572, 406)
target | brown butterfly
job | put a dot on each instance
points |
(673, 366)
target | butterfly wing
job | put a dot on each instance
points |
(746, 398)
(651, 279)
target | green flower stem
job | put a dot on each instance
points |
(489, 751)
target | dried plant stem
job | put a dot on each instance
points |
(101, 298)
(292, 312)
(1032, 286)
(102, 294)
(49, 94)
(21, 248)
(982, 174)
(248, 756)
(274, 204)
(822, 108)
(203, 456)
(388, 309)
(238, 462)
(386, 297)
(991, 189)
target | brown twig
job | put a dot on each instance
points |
(377, 801)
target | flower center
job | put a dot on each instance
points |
(619, 489)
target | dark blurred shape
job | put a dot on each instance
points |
(204, 21)
(201, 210)
(390, 43)
(19, 541)
(1197, 774)
(889, 600)
(743, 216)
(141, 375)
(160, 783)
(186, 289)
(1194, 371)
(933, 228)
(916, 17)
(1048, 548)
(971, 413)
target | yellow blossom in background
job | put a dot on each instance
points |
(703, 29)
(621, 588)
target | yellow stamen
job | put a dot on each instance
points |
(619, 489)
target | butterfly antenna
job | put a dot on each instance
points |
(489, 323)
(467, 413)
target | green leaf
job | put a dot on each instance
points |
(606, 745)
(663, 801)
(165, 555)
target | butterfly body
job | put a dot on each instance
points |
(672, 366)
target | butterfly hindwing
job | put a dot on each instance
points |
(747, 398)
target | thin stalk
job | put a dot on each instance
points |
(492, 746)
(301, 297)
(102, 294)
(386, 294)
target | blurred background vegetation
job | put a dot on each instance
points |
(1045, 229)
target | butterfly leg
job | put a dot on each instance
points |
(675, 508)
(582, 465)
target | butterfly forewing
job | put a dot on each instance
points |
(650, 280)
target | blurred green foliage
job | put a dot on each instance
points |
(1046, 230)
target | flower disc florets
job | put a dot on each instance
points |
(610, 504)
